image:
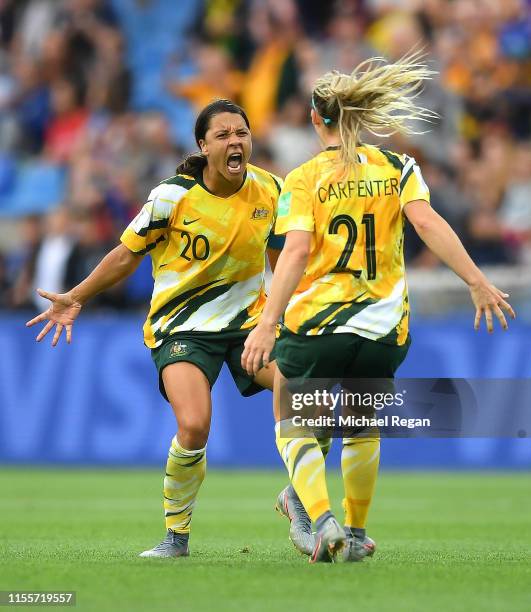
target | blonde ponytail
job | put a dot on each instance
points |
(377, 97)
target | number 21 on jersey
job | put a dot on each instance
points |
(352, 236)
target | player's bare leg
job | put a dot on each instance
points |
(188, 390)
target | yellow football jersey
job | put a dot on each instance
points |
(355, 278)
(208, 253)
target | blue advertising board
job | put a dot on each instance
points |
(96, 401)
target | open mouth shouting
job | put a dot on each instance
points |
(235, 163)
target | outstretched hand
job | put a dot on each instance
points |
(62, 313)
(488, 300)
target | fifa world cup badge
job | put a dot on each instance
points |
(178, 348)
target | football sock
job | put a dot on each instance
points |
(185, 471)
(324, 445)
(359, 465)
(306, 468)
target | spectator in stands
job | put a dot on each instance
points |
(272, 71)
(292, 138)
(9, 131)
(69, 118)
(23, 261)
(31, 104)
(74, 89)
(52, 255)
(109, 79)
(215, 78)
(87, 27)
(8, 18)
(87, 252)
(515, 208)
(35, 22)
(223, 23)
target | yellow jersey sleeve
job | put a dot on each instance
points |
(151, 224)
(412, 185)
(295, 205)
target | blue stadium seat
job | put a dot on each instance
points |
(154, 31)
(38, 187)
(7, 174)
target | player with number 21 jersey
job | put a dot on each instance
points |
(355, 279)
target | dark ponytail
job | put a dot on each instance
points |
(194, 164)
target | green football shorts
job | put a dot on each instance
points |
(208, 351)
(336, 356)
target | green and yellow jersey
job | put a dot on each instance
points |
(208, 253)
(355, 277)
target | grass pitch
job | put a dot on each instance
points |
(445, 542)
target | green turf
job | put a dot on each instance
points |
(446, 542)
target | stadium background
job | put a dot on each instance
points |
(97, 104)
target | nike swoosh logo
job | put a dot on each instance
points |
(185, 222)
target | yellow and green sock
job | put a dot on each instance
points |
(185, 471)
(359, 464)
(306, 468)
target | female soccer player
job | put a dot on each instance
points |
(206, 230)
(340, 279)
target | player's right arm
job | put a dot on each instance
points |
(146, 230)
(65, 307)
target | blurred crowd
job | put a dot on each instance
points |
(69, 73)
